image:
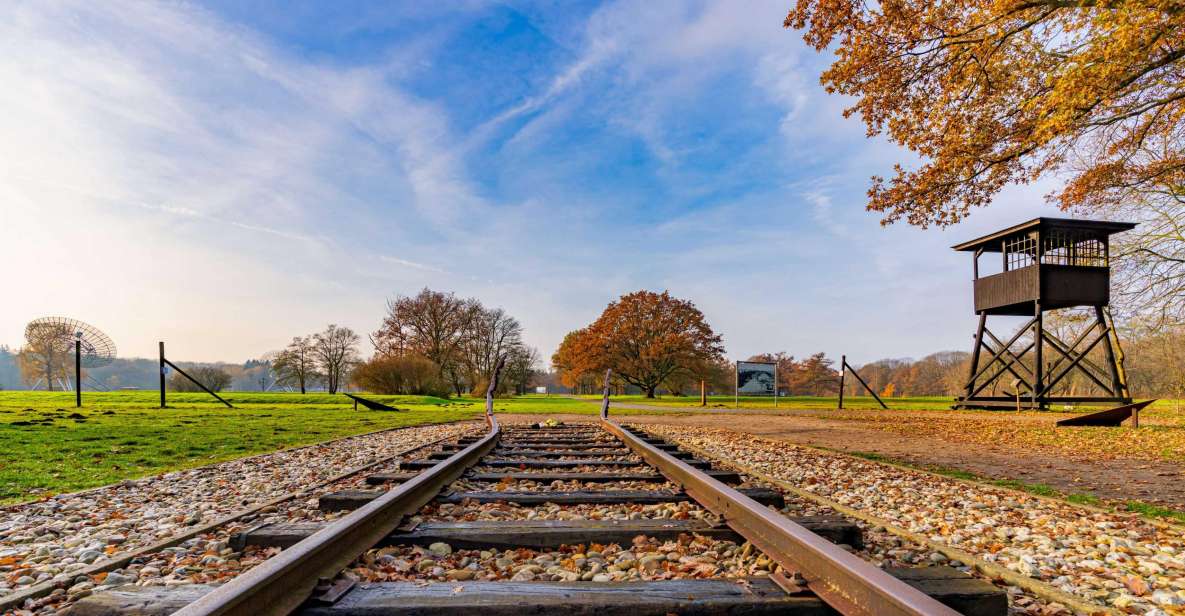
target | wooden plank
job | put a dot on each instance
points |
(570, 428)
(560, 438)
(765, 496)
(558, 442)
(380, 478)
(535, 453)
(1110, 417)
(508, 534)
(570, 446)
(685, 597)
(522, 453)
(955, 589)
(757, 596)
(370, 404)
(521, 463)
(558, 435)
(554, 431)
(353, 499)
(719, 475)
(139, 600)
(508, 452)
(527, 463)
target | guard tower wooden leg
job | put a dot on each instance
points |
(1116, 385)
(1038, 360)
(974, 369)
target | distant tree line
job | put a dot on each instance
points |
(324, 359)
(435, 343)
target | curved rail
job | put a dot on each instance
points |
(281, 584)
(847, 583)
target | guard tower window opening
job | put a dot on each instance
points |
(1020, 252)
(1069, 248)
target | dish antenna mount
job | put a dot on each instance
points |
(54, 338)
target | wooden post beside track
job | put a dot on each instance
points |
(162, 374)
(848, 366)
(605, 395)
(78, 373)
(165, 362)
(843, 368)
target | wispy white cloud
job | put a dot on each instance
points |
(412, 264)
(204, 182)
(222, 151)
(186, 212)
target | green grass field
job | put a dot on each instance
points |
(47, 445)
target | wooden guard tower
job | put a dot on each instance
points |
(1048, 264)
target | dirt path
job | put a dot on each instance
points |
(1116, 480)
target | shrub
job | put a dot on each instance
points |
(401, 374)
(212, 377)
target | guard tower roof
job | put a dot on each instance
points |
(994, 242)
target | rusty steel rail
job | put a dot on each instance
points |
(847, 583)
(281, 584)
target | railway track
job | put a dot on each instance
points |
(586, 518)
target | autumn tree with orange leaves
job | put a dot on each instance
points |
(997, 92)
(646, 338)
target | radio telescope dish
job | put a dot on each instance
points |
(60, 333)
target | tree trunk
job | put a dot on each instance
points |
(650, 391)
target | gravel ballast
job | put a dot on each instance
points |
(691, 556)
(1119, 560)
(52, 539)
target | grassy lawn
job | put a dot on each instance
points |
(48, 445)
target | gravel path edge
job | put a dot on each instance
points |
(17, 598)
(1159, 522)
(1036, 587)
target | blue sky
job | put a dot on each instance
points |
(224, 176)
